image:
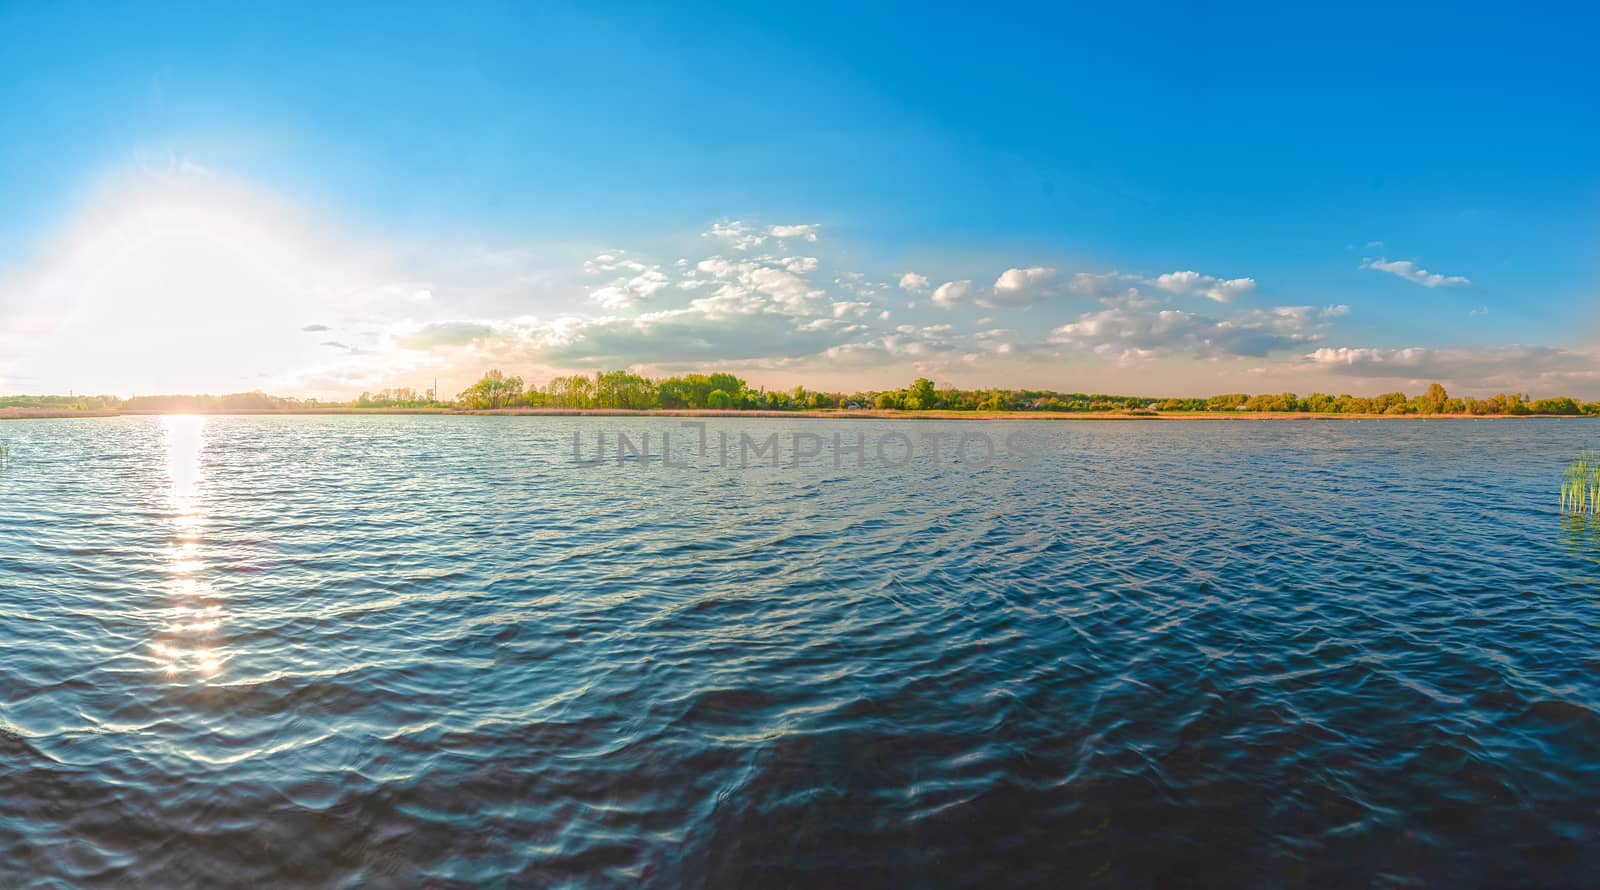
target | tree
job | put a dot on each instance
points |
(728, 383)
(921, 395)
(719, 399)
(571, 392)
(1319, 403)
(1556, 406)
(493, 390)
(1432, 401)
(621, 389)
(1390, 400)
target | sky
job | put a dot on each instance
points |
(1167, 199)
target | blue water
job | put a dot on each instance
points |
(435, 651)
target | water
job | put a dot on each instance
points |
(402, 651)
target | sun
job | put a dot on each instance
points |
(181, 282)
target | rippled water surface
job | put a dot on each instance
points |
(403, 651)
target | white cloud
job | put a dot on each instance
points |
(912, 283)
(1090, 284)
(635, 281)
(737, 235)
(951, 293)
(1414, 273)
(1191, 283)
(1019, 287)
(808, 231)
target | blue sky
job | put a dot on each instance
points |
(1349, 200)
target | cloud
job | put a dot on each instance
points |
(343, 347)
(858, 284)
(1019, 287)
(1193, 284)
(1091, 284)
(736, 235)
(952, 293)
(634, 281)
(746, 301)
(746, 286)
(1131, 329)
(807, 231)
(741, 236)
(1016, 288)
(450, 333)
(1517, 367)
(693, 337)
(912, 283)
(1414, 273)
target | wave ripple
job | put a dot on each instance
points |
(402, 651)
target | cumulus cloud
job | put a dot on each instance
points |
(1019, 287)
(1416, 274)
(952, 293)
(1191, 283)
(912, 283)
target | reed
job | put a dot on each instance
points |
(1580, 485)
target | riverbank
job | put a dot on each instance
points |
(857, 414)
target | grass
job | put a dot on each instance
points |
(1580, 485)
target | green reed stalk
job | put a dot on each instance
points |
(1580, 485)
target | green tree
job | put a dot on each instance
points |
(621, 389)
(1556, 406)
(493, 390)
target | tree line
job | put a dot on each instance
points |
(626, 390)
(623, 389)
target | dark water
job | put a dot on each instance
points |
(434, 652)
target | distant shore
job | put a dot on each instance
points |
(847, 414)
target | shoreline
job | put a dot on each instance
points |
(857, 414)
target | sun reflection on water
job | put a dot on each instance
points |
(186, 643)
